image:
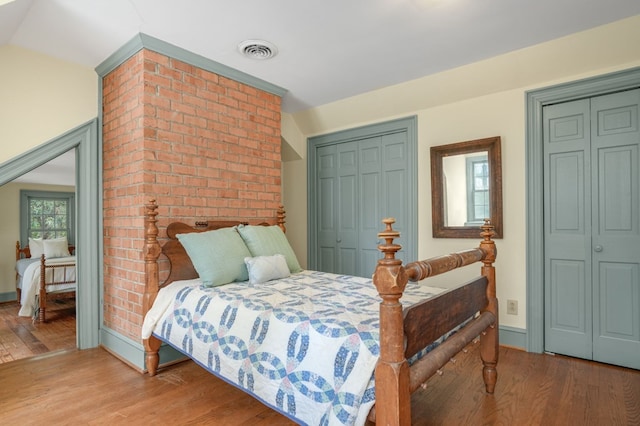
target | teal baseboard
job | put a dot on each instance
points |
(514, 337)
(132, 352)
(10, 296)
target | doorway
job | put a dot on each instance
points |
(537, 101)
(356, 178)
(84, 139)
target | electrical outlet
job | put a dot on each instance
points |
(512, 307)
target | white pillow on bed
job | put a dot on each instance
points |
(265, 268)
(36, 247)
(55, 247)
(217, 256)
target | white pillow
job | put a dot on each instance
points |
(36, 247)
(56, 247)
(265, 268)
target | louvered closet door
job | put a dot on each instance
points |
(592, 228)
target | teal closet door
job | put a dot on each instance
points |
(360, 177)
(592, 228)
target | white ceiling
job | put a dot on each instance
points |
(328, 50)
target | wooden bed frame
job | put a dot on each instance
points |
(25, 253)
(403, 332)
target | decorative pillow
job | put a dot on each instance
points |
(267, 241)
(55, 247)
(265, 268)
(36, 247)
(218, 256)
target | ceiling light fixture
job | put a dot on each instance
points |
(257, 49)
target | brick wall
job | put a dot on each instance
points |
(201, 144)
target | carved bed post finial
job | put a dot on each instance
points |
(393, 403)
(151, 253)
(281, 215)
(489, 342)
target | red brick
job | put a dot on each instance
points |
(201, 144)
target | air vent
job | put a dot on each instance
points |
(257, 49)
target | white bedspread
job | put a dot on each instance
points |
(306, 345)
(31, 282)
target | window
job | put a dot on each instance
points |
(47, 214)
(478, 202)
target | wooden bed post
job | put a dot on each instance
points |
(393, 397)
(281, 215)
(489, 340)
(151, 252)
(42, 303)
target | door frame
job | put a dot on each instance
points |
(536, 100)
(84, 139)
(408, 125)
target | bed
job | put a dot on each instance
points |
(43, 267)
(319, 348)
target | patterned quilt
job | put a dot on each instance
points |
(306, 345)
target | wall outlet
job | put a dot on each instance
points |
(512, 307)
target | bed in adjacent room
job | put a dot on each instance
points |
(43, 268)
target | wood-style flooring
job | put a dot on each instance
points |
(91, 387)
(20, 337)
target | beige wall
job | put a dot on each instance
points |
(41, 98)
(10, 229)
(475, 101)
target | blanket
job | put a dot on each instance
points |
(31, 283)
(306, 345)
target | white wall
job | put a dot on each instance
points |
(480, 100)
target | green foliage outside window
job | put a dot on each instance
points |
(47, 214)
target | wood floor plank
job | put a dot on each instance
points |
(20, 337)
(92, 387)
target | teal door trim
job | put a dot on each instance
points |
(408, 125)
(535, 101)
(84, 139)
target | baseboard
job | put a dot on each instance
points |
(10, 296)
(513, 337)
(132, 353)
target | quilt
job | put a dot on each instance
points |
(31, 282)
(306, 345)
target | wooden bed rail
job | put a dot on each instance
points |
(395, 380)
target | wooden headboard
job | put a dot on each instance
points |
(22, 253)
(180, 265)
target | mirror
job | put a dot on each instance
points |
(466, 188)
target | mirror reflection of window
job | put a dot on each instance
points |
(466, 189)
(478, 201)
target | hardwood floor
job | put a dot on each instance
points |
(20, 337)
(92, 387)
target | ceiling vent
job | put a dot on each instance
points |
(258, 49)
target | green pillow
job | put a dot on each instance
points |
(267, 241)
(218, 256)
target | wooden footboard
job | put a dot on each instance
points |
(42, 308)
(404, 332)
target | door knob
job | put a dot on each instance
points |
(598, 248)
(339, 240)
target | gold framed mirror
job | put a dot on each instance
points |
(466, 188)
